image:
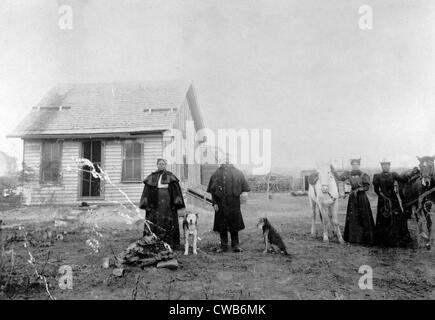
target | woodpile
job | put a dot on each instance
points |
(145, 252)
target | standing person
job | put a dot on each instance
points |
(391, 222)
(359, 227)
(226, 185)
(161, 198)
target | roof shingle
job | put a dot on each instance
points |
(89, 108)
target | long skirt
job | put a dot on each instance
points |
(165, 220)
(360, 226)
(391, 225)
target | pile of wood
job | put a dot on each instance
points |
(145, 252)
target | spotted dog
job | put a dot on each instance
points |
(272, 239)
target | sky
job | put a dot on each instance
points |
(304, 69)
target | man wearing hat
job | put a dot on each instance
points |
(226, 185)
(359, 227)
(391, 222)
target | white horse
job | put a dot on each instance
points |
(324, 195)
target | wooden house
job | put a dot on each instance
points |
(123, 127)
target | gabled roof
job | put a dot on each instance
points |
(107, 108)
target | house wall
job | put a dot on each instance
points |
(207, 171)
(194, 170)
(67, 191)
(153, 147)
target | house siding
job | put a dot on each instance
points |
(194, 170)
(67, 191)
(152, 148)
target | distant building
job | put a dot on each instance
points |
(304, 179)
(8, 164)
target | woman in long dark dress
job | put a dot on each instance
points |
(391, 222)
(360, 226)
(161, 198)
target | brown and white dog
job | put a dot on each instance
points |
(190, 227)
(272, 239)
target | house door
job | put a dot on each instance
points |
(91, 187)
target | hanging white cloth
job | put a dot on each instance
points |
(160, 184)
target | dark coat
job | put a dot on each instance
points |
(163, 215)
(360, 225)
(226, 185)
(391, 222)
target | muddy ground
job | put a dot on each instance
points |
(313, 270)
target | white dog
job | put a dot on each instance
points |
(190, 223)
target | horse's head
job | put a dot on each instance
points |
(426, 169)
(325, 177)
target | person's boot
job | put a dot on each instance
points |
(222, 248)
(224, 243)
(235, 242)
(237, 248)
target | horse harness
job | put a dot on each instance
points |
(422, 206)
(313, 183)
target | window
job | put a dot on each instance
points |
(132, 160)
(50, 162)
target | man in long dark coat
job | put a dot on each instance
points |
(226, 185)
(161, 198)
(391, 222)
